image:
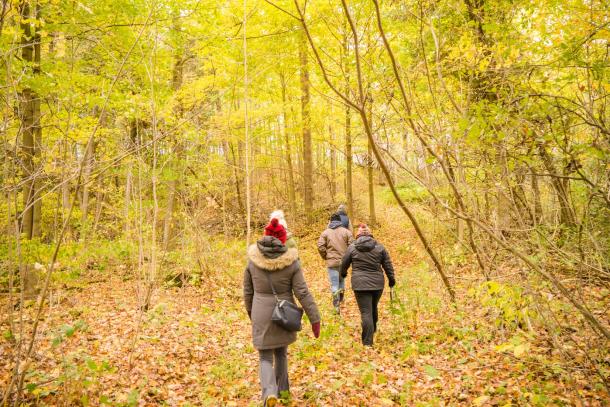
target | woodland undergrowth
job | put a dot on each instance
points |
(495, 346)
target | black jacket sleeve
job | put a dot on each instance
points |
(386, 263)
(346, 261)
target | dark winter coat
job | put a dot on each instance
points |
(268, 255)
(333, 243)
(367, 258)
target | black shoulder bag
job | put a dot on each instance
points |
(285, 314)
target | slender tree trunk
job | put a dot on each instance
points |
(100, 195)
(84, 205)
(349, 196)
(370, 169)
(349, 159)
(31, 128)
(65, 186)
(333, 165)
(306, 127)
(292, 200)
(239, 169)
(405, 146)
(246, 129)
(561, 188)
(502, 205)
(172, 185)
(538, 214)
(131, 142)
(459, 180)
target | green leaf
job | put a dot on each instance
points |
(8, 335)
(68, 330)
(57, 340)
(132, 397)
(431, 371)
(91, 365)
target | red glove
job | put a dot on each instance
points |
(315, 327)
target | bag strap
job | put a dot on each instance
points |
(272, 288)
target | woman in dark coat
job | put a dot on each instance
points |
(270, 259)
(367, 258)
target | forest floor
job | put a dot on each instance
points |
(194, 346)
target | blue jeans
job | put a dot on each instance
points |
(336, 281)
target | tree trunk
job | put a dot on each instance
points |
(502, 207)
(100, 195)
(172, 185)
(349, 195)
(84, 205)
(292, 200)
(238, 167)
(370, 168)
(31, 129)
(459, 179)
(306, 127)
(333, 165)
(538, 214)
(561, 188)
(131, 142)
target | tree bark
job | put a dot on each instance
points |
(31, 128)
(561, 188)
(306, 128)
(333, 165)
(349, 159)
(349, 196)
(84, 204)
(292, 200)
(172, 184)
(370, 168)
(538, 213)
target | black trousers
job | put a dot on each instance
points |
(367, 303)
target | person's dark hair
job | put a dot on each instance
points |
(335, 216)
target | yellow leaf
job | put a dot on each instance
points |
(479, 401)
(520, 350)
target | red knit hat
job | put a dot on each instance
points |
(363, 230)
(275, 229)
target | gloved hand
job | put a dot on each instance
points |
(315, 327)
(391, 282)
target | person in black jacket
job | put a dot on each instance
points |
(367, 258)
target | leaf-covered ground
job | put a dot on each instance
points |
(193, 347)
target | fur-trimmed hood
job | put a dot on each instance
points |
(259, 260)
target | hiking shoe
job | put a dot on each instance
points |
(336, 300)
(271, 401)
